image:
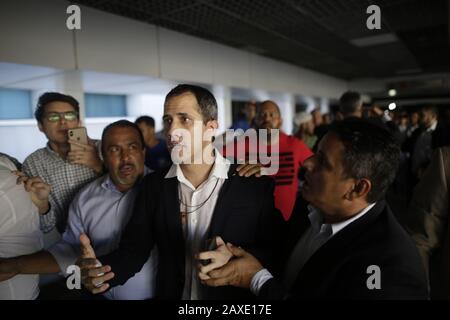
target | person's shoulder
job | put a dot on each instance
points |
(387, 236)
(251, 183)
(36, 159)
(36, 155)
(297, 145)
(155, 177)
(294, 141)
(93, 185)
(89, 190)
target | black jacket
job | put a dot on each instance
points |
(338, 270)
(244, 215)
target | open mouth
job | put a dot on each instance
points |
(126, 169)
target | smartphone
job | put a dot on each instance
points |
(210, 245)
(79, 135)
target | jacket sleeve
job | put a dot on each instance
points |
(428, 210)
(137, 238)
(273, 290)
(270, 227)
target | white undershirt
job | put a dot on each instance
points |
(196, 224)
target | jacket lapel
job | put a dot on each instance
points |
(173, 217)
(332, 251)
(220, 212)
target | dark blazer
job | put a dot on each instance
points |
(244, 215)
(338, 270)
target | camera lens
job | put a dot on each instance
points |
(71, 133)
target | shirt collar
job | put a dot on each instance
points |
(433, 127)
(220, 169)
(53, 153)
(316, 219)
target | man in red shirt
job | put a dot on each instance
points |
(287, 153)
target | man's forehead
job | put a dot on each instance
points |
(331, 146)
(120, 135)
(184, 103)
(269, 107)
(59, 106)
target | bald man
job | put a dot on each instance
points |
(288, 152)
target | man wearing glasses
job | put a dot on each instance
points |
(64, 170)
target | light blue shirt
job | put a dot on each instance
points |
(102, 212)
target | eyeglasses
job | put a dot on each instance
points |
(56, 116)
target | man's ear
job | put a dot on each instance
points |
(360, 189)
(212, 124)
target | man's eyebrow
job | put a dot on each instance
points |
(111, 145)
(182, 114)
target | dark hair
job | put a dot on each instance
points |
(432, 109)
(149, 121)
(121, 124)
(205, 99)
(50, 97)
(370, 152)
(349, 102)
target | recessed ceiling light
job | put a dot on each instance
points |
(374, 40)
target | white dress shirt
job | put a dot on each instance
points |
(314, 237)
(19, 232)
(196, 208)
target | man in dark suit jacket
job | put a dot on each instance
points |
(166, 215)
(346, 244)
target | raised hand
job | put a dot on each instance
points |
(93, 275)
(86, 156)
(38, 189)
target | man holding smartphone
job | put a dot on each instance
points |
(64, 169)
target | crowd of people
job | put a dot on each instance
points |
(149, 216)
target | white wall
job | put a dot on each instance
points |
(112, 54)
(20, 138)
(112, 43)
(34, 32)
(147, 104)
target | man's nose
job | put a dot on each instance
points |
(170, 128)
(125, 154)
